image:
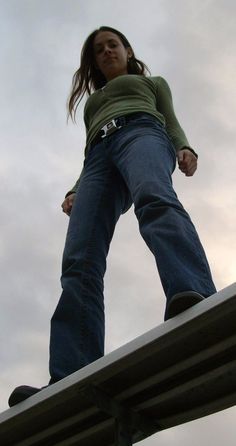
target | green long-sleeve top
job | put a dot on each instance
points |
(127, 94)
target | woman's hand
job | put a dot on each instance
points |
(68, 203)
(187, 162)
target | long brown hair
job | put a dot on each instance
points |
(88, 77)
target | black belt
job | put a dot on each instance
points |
(113, 125)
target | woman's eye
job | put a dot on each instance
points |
(100, 50)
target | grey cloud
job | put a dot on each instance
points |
(190, 43)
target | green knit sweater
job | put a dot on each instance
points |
(127, 94)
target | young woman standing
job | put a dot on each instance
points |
(133, 142)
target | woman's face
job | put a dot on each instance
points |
(110, 54)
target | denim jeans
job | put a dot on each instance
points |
(132, 165)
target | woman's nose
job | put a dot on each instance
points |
(107, 49)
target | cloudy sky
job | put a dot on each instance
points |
(192, 44)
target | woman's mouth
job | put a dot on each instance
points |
(108, 59)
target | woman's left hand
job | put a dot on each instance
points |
(187, 162)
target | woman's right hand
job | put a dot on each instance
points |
(68, 203)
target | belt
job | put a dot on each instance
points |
(113, 125)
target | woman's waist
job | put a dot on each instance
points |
(108, 127)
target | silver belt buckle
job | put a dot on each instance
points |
(109, 128)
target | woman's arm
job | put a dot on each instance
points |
(186, 156)
(69, 197)
(166, 107)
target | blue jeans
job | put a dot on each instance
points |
(133, 165)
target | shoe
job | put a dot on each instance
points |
(21, 393)
(181, 302)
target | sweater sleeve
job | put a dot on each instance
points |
(165, 106)
(74, 189)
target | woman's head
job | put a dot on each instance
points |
(106, 54)
(111, 56)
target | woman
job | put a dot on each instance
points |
(133, 140)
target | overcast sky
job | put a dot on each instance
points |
(192, 44)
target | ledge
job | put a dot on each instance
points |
(181, 370)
